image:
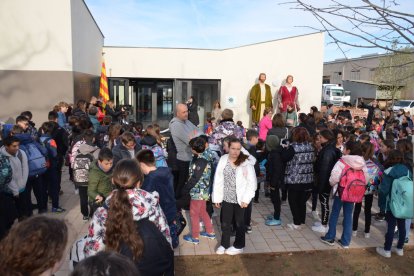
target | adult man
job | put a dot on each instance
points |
(260, 98)
(182, 131)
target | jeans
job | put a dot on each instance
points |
(391, 222)
(228, 210)
(83, 196)
(183, 171)
(198, 211)
(324, 200)
(23, 205)
(407, 227)
(275, 198)
(50, 177)
(8, 213)
(347, 222)
(367, 210)
(297, 203)
(315, 194)
(37, 184)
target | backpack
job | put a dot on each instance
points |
(352, 186)
(6, 173)
(36, 159)
(401, 197)
(76, 253)
(81, 165)
(158, 154)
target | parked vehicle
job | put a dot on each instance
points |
(407, 105)
(334, 94)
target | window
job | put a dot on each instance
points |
(372, 73)
(355, 74)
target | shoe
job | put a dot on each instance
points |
(399, 252)
(382, 252)
(211, 236)
(273, 222)
(268, 217)
(189, 238)
(320, 228)
(342, 245)
(406, 240)
(58, 210)
(42, 211)
(233, 251)
(354, 233)
(327, 241)
(249, 229)
(294, 226)
(315, 215)
(367, 235)
(221, 250)
(85, 218)
(379, 217)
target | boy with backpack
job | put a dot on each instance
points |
(397, 187)
(100, 179)
(85, 155)
(348, 178)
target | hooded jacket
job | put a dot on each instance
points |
(144, 205)
(20, 171)
(100, 182)
(224, 129)
(246, 181)
(325, 161)
(150, 143)
(299, 168)
(354, 161)
(121, 152)
(161, 181)
(182, 132)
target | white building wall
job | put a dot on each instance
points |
(238, 68)
(35, 35)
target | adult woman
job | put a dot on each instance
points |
(126, 209)
(110, 111)
(279, 128)
(216, 112)
(288, 96)
(265, 123)
(352, 158)
(299, 156)
(34, 246)
(227, 127)
(325, 161)
(234, 187)
(339, 135)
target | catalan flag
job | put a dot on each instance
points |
(103, 89)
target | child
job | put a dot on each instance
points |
(208, 127)
(198, 187)
(243, 130)
(291, 117)
(396, 170)
(160, 180)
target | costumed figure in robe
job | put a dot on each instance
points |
(260, 98)
(287, 100)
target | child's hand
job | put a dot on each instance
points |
(98, 199)
(218, 205)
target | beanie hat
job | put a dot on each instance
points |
(272, 141)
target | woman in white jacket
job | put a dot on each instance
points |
(234, 186)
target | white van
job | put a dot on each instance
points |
(334, 94)
(407, 105)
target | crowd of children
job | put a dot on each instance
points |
(126, 176)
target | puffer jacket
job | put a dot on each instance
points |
(224, 129)
(299, 167)
(150, 143)
(325, 161)
(20, 171)
(100, 182)
(144, 205)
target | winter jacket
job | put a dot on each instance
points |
(100, 182)
(26, 139)
(20, 171)
(264, 125)
(275, 168)
(182, 132)
(325, 161)
(6, 174)
(281, 132)
(162, 181)
(157, 257)
(52, 152)
(390, 174)
(94, 122)
(61, 119)
(144, 205)
(199, 177)
(150, 143)
(121, 152)
(299, 168)
(61, 137)
(224, 129)
(79, 112)
(82, 147)
(114, 114)
(193, 114)
(354, 161)
(246, 181)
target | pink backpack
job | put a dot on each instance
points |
(352, 185)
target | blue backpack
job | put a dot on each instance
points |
(36, 158)
(6, 173)
(401, 197)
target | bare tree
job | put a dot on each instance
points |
(368, 24)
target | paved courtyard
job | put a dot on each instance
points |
(263, 238)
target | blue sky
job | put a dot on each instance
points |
(213, 24)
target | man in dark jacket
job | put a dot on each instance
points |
(192, 111)
(127, 149)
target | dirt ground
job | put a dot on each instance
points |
(326, 262)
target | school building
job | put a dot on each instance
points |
(52, 50)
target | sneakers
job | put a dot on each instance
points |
(189, 238)
(233, 251)
(327, 241)
(379, 217)
(399, 252)
(320, 228)
(406, 240)
(58, 210)
(211, 236)
(221, 250)
(273, 222)
(354, 233)
(367, 235)
(315, 215)
(342, 245)
(294, 226)
(382, 252)
(249, 229)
